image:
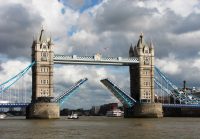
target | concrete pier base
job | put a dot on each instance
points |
(43, 111)
(148, 110)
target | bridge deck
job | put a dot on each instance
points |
(18, 105)
(13, 105)
(181, 105)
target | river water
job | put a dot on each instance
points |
(100, 128)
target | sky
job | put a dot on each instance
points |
(109, 27)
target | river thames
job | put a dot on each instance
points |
(100, 128)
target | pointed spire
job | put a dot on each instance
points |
(131, 51)
(141, 34)
(42, 30)
(151, 45)
(141, 37)
(50, 40)
(131, 47)
(141, 40)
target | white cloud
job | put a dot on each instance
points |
(183, 8)
(11, 68)
(180, 7)
(196, 64)
(168, 65)
(83, 38)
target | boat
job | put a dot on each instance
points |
(2, 115)
(73, 116)
(115, 113)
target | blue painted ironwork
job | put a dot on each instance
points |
(125, 99)
(181, 105)
(60, 99)
(95, 60)
(180, 97)
(175, 93)
(6, 85)
(13, 105)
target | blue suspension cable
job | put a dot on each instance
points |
(16, 78)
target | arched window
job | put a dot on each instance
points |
(146, 50)
(44, 46)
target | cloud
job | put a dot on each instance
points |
(17, 29)
(128, 18)
(189, 24)
(168, 65)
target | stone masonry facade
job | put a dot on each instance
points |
(142, 74)
(42, 79)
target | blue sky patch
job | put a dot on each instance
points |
(79, 5)
(72, 30)
(63, 10)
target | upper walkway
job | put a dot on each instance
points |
(95, 60)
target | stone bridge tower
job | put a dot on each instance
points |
(42, 80)
(142, 80)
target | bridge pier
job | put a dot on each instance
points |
(148, 110)
(43, 111)
(142, 82)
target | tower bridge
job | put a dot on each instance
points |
(141, 67)
(143, 75)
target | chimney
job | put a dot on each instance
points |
(184, 85)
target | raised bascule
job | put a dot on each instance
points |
(140, 62)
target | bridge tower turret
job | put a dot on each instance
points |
(142, 80)
(42, 80)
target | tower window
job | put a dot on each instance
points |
(44, 47)
(146, 50)
(146, 83)
(44, 54)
